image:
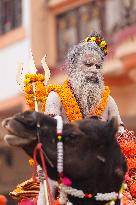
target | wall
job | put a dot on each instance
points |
(126, 99)
(12, 54)
(43, 30)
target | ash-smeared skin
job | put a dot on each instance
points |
(84, 68)
(92, 156)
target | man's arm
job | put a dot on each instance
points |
(114, 112)
(53, 104)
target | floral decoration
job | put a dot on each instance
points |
(128, 146)
(68, 100)
(99, 41)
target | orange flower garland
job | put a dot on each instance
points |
(128, 146)
(28, 88)
(133, 189)
(64, 91)
(68, 100)
(71, 102)
(131, 163)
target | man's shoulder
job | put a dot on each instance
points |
(53, 95)
(111, 100)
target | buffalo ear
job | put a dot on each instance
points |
(94, 117)
(112, 127)
(28, 118)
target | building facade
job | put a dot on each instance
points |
(51, 27)
(15, 41)
(59, 24)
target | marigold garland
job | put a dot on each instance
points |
(128, 146)
(64, 91)
(31, 78)
(131, 163)
(133, 188)
(38, 80)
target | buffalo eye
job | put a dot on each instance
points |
(71, 137)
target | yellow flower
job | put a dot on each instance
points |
(87, 39)
(28, 89)
(27, 80)
(105, 51)
(103, 44)
(40, 77)
(27, 75)
(93, 39)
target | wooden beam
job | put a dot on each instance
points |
(63, 5)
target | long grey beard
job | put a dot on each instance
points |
(87, 93)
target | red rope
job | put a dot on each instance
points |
(38, 148)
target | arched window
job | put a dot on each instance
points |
(113, 21)
(118, 14)
(10, 15)
(74, 25)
